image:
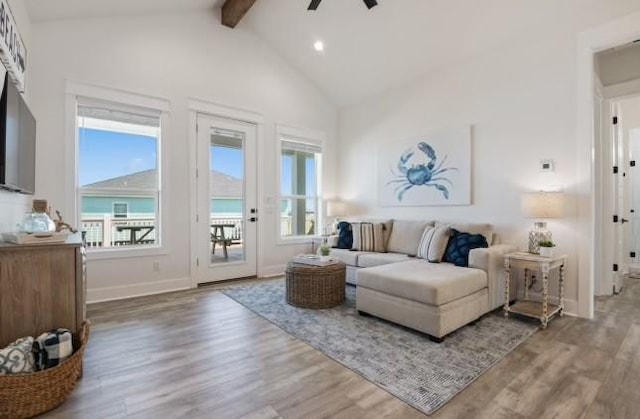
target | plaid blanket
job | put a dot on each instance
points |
(52, 348)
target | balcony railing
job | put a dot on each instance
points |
(109, 232)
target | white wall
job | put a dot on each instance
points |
(13, 206)
(176, 57)
(521, 100)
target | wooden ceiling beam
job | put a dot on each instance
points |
(234, 10)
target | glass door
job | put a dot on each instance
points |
(227, 213)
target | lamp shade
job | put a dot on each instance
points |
(336, 209)
(543, 204)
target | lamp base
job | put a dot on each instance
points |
(537, 235)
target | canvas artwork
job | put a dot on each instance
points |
(430, 170)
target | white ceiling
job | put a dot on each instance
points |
(370, 51)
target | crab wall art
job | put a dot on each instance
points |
(432, 170)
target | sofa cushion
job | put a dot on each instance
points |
(460, 244)
(434, 243)
(405, 236)
(485, 229)
(377, 259)
(347, 256)
(368, 237)
(418, 280)
(345, 235)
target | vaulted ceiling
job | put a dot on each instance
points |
(369, 51)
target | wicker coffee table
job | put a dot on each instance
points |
(311, 286)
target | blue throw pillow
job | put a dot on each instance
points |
(345, 235)
(460, 244)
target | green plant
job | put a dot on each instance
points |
(546, 243)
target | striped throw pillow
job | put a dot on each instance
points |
(433, 244)
(368, 237)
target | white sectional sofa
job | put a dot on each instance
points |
(434, 298)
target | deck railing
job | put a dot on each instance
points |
(104, 231)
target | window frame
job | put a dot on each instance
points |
(119, 214)
(304, 136)
(86, 94)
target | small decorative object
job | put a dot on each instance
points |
(61, 225)
(432, 170)
(38, 221)
(541, 205)
(325, 249)
(546, 248)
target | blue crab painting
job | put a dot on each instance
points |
(428, 174)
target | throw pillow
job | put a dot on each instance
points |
(368, 237)
(52, 348)
(434, 243)
(17, 358)
(345, 235)
(405, 236)
(460, 244)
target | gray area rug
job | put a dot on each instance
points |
(405, 363)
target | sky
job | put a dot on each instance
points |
(107, 154)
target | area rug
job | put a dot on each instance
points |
(405, 363)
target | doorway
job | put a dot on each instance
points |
(226, 211)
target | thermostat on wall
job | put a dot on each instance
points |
(546, 166)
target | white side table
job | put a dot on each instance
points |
(541, 310)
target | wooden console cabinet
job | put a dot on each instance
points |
(42, 287)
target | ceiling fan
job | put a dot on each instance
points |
(315, 3)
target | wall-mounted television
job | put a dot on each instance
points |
(17, 141)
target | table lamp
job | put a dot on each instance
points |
(336, 209)
(541, 206)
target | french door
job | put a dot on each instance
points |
(226, 213)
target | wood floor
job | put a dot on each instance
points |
(201, 354)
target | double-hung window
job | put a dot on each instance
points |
(118, 174)
(300, 188)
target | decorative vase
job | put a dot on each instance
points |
(325, 249)
(537, 235)
(546, 252)
(38, 222)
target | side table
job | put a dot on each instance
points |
(541, 310)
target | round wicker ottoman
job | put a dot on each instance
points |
(311, 286)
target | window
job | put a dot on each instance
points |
(118, 174)
(120, 210)
(300, 190)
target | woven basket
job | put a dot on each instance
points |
(311, 286)
(28, 395)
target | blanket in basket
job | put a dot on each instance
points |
(52, 348)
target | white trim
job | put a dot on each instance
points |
(96, 295)
(203, 107)
(120, 99)
(610, 34)
(622, 90)
(229, 112)
(305, 136)
(273, 270)
(110, 94)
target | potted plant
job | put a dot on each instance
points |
(546, 248)
(325, 249)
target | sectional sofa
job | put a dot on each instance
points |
(434, 298)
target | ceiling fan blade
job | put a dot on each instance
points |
(314, 4)
(370, 3)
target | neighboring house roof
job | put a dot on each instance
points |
(222, 185)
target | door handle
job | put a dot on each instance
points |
(253, 219)
(622, 220)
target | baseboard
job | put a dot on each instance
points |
(96, 295)
(273, 270)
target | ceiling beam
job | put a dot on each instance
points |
(234, 10)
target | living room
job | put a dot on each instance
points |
(344, 85)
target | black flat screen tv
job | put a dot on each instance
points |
(17, 141)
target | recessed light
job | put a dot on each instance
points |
(318, 46)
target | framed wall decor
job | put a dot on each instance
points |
(13, 53)
(430, 170)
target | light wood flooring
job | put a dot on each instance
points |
(200, 354)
